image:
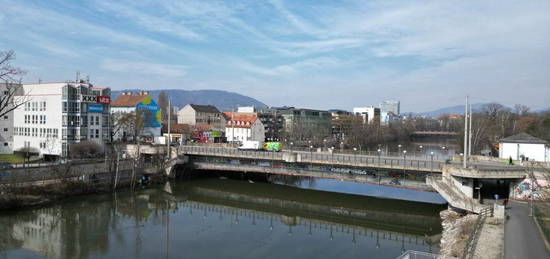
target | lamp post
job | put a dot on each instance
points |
(432, 163)
(404, 162)
(291, 144)
(355, 155)
(399, 149)
(332, 154)
(420, 147)
(311, 154)
(379, 151)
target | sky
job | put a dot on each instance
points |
(319, 54)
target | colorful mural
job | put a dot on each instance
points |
(527, 189)
(151, 112)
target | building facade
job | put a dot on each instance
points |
(305, 123)
(147, 121)
(369, 114)
(391, 106)
(270, 118)
(194, 114)
(524, 146)
(57, 115)
(244, 128)
(7, 93)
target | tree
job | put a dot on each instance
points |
(86, 149)
(163, 103)
(131, 123)
(10, 77)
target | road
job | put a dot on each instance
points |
(522, 239)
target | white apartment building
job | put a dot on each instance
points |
(368, 113)
(56, 115)
(244, 127)
(390, 106)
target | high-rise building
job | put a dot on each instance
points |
(390, 106)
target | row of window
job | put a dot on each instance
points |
(35, 106)
(75, 121)
(36, 132)
(35, 119)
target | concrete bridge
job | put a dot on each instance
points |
(463, 188)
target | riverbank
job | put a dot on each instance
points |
(457, 232)
(19, 197)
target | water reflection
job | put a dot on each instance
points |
(221, 218)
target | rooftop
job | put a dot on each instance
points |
(204, 108)
(128, 100)
(523, 138)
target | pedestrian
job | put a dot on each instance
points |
(496, 197)
(505, 202)
(510, 161)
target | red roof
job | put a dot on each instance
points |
(241, 121)
(128, 100)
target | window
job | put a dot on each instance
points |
(5, 129)
(96, 133)
(91, 133)
(6, 117)
(5, 144)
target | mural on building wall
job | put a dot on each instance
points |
(527, 189)
(151, 112)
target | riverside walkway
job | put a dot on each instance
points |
(522, 239)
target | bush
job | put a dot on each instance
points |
(85, 149)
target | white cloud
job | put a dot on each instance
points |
(139, 68)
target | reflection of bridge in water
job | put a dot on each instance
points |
(316, 211)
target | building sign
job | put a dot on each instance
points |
(104, 100)
(89, 99)
(94, 107)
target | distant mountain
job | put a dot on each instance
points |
(459, 109)
(223, 100)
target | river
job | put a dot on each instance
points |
(225, 218)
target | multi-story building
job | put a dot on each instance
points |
(389, 111)
(369, 114)
(56, 115)
(270, 118)
(194, 114)
(7, 93)
(241, 127)
(305, 123)
(141, 104)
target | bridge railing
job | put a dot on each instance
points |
(322, 158)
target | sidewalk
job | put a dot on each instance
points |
(522, 238)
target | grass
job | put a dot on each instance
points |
(10, 158)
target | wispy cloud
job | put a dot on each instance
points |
(139, 68)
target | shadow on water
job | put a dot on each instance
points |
(214, 218)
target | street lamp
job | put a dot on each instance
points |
(332, 154)
(432, 155)
(355, 154)
(420, 149)
(399, 146)
(404, 162)
(291, 144)
(311, 154)
(379, 155)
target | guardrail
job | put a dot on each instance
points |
(322, 158)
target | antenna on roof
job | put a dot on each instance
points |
(39, 81)
(88, 79)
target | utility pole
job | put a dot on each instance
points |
(168, 141)
(470, 132)
(465, 157)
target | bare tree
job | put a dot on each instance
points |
(10, 77)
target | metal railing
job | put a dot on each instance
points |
(322, 158)
(470, 248)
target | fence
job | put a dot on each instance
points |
(541, 211)
(470, 247)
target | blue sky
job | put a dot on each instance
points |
(317, 54)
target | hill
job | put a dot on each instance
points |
(223, 100)
(458, 109)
